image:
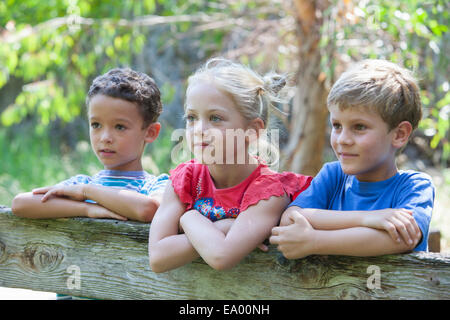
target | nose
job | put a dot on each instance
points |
(200, 130)
(106, 136)
(344, 137)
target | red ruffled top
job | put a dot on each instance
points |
(194, 186)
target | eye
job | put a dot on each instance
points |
(360, 127)
(336, 125)
(120, 127)
(215, 118)
(95, 125)
(189, 118)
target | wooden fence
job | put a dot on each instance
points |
(108, 259)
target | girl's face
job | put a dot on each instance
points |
(215, 129)
(116, 133)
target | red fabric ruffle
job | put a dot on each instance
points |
(274, 184)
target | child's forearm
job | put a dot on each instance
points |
(171, 252)
(208, 240)
(29, 205)
(360, 241)
(321, 219)
(127, 203)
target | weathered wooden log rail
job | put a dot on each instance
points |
(111, 259)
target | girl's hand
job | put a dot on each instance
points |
(97, 211)
(399, 223)
(73, 192)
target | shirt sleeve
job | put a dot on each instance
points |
(182, 179)
(155, 186)
(276, 184)
(417, 194)
(319, 194)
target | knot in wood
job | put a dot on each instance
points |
(42, 257)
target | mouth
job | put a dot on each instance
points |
(106, 152)
(201, 145)
(347, 155)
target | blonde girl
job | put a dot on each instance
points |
(223, 204)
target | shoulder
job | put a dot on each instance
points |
(185, 168)
(273, 184)
(333, 168)
(184, 179)
(415, 179)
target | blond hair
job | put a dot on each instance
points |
(253, 94)
(380, 85)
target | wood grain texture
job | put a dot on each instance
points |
(112, 257)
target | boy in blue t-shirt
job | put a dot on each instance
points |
(123, 109)
(362, 205)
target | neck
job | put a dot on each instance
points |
(230, 175)
(380, 174)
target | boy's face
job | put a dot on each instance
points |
(117, 134)
(362, 143)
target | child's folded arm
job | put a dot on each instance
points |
(29, 205)
(299, 239)
(398, 223)
(130, 204)
(348, 242)
(252, 226)
(167, 248)
(123, 202)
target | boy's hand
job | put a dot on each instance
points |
(296, 239)
(399, 223)
(74, 192)
(97, 211)
(287, 218)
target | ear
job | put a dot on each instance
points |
(152, 132)
(401, 134)
(256, 124)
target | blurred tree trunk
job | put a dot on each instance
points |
(308, 123)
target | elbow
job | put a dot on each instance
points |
(220, 262)
(157, 265)
(18, 205)
(156, 261)
(148, 210)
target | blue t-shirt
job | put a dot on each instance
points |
(332, 189)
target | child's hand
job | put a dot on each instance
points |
(399, 223)
(97, 211)
(287, 218)
(74, 192)
(296, 239)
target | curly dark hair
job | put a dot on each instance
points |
(130, 85)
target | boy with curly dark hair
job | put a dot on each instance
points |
(123, 109)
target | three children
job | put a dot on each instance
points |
(226, 202)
